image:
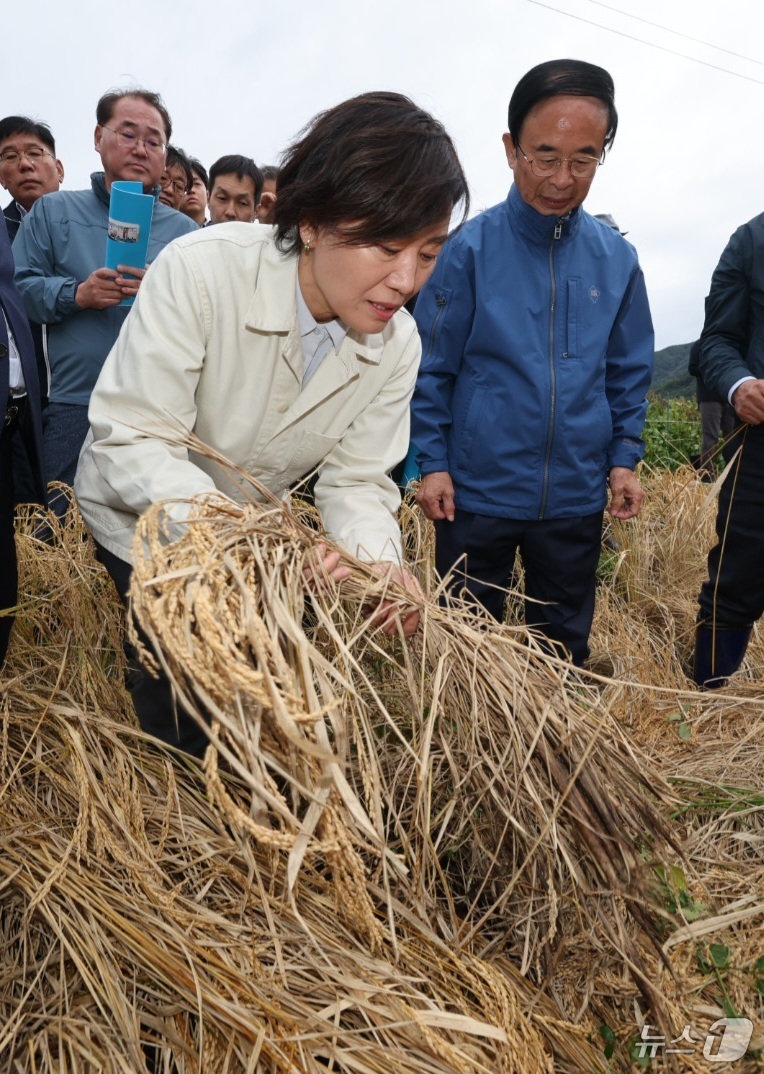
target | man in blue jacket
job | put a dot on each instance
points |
(60, 252)
(537, 356)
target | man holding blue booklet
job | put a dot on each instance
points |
(60, 254)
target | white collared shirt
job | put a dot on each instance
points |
(16, 384)
(316, 339)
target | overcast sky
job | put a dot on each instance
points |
(243, 76)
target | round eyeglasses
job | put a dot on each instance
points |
(33, 154)
(178, 185)
(582, 166)
(128, 139)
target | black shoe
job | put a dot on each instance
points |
(719, 652)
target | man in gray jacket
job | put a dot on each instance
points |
(60, 251)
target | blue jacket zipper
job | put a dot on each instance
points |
(557, 234)
(441, 303)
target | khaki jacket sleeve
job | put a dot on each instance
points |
(147, 389)
(354, 493)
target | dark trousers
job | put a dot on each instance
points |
(9, 582)
(716, 419)
(25, 488)
(152, 697)
(559, 557)
(65, 426)
(733, 595)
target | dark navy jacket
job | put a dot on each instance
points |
(17, 319)
(13, 223)
(537, 353)
(732, 341)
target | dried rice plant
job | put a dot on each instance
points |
(645, 620)
(464, 776)
(708, 745)
(68, 632)
(136, 934)
(140, 927)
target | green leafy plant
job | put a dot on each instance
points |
(639, 1054)
(672, 433)
(609, 1038)
(676, 897)
(714, 959)
(683, 727)
(758, 975)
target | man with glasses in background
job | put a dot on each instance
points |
(176, 178)
(60, 252)
(537, 356)
(29, 167)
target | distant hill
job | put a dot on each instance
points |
(670, 376)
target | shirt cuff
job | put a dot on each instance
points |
(735, 387)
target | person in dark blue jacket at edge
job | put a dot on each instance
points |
(537, 349)
(732, 366)
(20, 392)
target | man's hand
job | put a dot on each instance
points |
(128, 286)
(99, 291)
(267, 201)
(436, 495)
(626, 493)
(107, 287)
(748, 401)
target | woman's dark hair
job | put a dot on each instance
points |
(562, 78)
(376, 167)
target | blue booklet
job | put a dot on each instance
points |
(130, 213)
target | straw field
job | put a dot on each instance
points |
(447, 854)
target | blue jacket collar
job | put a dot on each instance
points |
(533, 225)
(98, 183)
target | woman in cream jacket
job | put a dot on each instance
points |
(285, 349)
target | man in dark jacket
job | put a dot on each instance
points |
(732, 365)
(537, 354)
(20, 392)
(29, 168)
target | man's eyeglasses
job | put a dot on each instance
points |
(581, 166)
(128, 139)
(178, 185)
(34, 154)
